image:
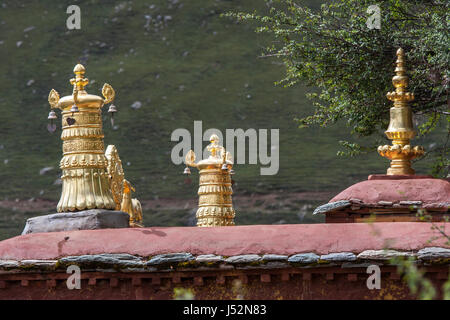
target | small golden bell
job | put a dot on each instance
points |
(52, 115)
(224, 167)
(74, 108)
(51, 127)
(112, 109)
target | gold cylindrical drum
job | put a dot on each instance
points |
(215, 205)
(84, 176)
(215, 202)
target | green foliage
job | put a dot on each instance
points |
(446, 289)
(334, 50)
(414, 277)
(183, 294)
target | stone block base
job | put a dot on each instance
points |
(80, 220)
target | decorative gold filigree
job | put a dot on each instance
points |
(81, 132)
(108, 92)
(116, 174)
(90, 118)
(136, 218)
(190, 159)
(53, 98)
(82, 146)
(83, 160)
(131, 206)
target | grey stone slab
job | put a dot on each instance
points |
(437, 205)
(209, 258)
(119, 256)
(433, 253)
(410, 203)
(38, 263)
(118, 260)
(332, 206)
(385, 203)
(80, 220)
(274, 257)
(8, 264)
(383, 255)
(170, 258)
(304, 258)
(245, 258)
(338, 257)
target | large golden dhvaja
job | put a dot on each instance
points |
(215, 206)
(401, 128)
(90, 178)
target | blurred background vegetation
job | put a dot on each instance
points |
(170, 63)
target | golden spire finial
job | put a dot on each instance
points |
(79, 68)
(401, 128)
(214, 147)
(79, 82)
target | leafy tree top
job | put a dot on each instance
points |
(335, 50)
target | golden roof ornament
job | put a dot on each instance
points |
(121, 188)
(401, 128)
(90, 179)
(215, 207)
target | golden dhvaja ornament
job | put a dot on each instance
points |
(90, 179)
(121, 188)
(401, 128)
(215, 202)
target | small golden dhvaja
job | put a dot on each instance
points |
(401, 128)
(215, 190)
(121, 188)
(91, 179)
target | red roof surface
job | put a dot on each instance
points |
(395, 189)
(227, 241)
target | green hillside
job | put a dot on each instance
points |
(181, 62)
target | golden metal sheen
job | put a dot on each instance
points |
(131, 206)
(91, 179)
(121, 188)
(401, 128)
(215, 206)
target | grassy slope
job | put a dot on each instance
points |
(212, 57)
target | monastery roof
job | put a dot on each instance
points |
(286, 240)
(393, 191)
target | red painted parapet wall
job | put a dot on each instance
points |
(321, 261)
